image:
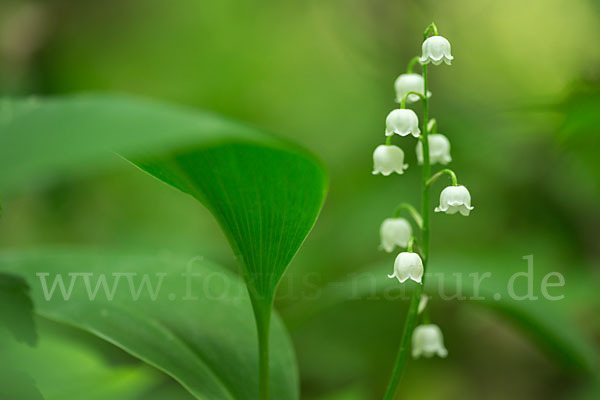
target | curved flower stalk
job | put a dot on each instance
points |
(425, 339)
(423, 303)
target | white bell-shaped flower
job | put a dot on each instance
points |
(388, 159)
(403, 122)
(455, 199)
(408, 265)
(436, 49)
(394, 232)
(439, 149)
(427, 341)
(406, 83)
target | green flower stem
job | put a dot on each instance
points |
(411, 64)
(263, 347)
(430, 29)
(403, 102)
(388, 140)
(432, 126)
(442, 172)
(425, 317)
(403, 351)
(411, 316)
(426, 170)
(263, 309)
(413, 213)
(411, 242)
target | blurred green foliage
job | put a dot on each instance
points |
(204, 339)
(519, 104)
(16, 309)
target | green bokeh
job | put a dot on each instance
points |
(520, 104)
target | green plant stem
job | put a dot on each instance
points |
(442, 172)
(426, 170)
(405, 97)
(432, 28)
(263, 309)
(425, 317)
(411, 64)
(413, 212)
(411, 242)
(411, 316)
(432, 126)
(403, 351)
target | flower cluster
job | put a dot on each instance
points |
(431, 148)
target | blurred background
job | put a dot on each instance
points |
(520, 104)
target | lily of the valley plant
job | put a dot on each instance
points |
(426, 339)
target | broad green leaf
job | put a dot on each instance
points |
(266, 200)
(60, 368)
(199, 330)
(41, 139)
(265, 193)
(17, 385)
(16, 309)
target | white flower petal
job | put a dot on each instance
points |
(455, 199)
(408, 265)
(402, 122)
(388, 159)
(439, 149)
(437, 50)
(427, 340)
(452, 210)
(406, 83)
(395, 232)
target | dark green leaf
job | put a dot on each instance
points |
(16, 309)
(265, 193)
(17, 385)
(265, 198)
(61, 368)
(203, 335)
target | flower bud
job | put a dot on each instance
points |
(422, 303)
(408, 265)
(436, 49)
(427, 341)
(409, 83)
(439, 149)
(394, 232)
(388, 159)
(455, 199)
(402, 122)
